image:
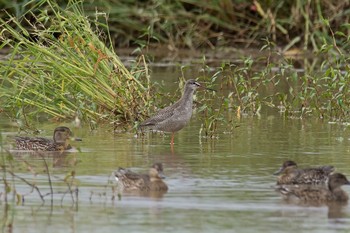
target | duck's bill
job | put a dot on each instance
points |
(278, 171)
(161, 175)
(77, 139)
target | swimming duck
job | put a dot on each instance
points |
(60, 142)
(289, 173)
(318, 194)
(131, 181)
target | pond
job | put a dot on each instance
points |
(215, 185)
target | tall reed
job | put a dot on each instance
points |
(60, 65)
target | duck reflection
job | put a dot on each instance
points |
(330, 195)
(56, 158)
(336, 210)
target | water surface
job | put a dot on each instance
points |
(215, 185)
(225, 184)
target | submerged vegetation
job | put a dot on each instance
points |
(17, 187)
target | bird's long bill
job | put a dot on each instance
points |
(76, 139)
(279, 171)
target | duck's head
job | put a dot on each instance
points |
(62, 135)
(285, 166)
(336, 180)
(156, 171)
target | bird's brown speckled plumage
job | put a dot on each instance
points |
(60, 142)
(131, 181)
(174, 117)
(318, 194)
(289, 173)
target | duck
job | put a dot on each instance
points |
(174, 117)
(60, 141)
(318, 194)
(289, 173)
(130, 181)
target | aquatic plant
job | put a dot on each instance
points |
(316, 91)
(40, 176)
(250, 86)
(12, 162)
(59, 64)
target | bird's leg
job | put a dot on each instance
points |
(172, 138)
(172, 149)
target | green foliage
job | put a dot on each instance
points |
(249, 85)
(60, 65)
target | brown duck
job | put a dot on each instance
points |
(131, 181)
(60, 141)
(289, 173)
(318, 194)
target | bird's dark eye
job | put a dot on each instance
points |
(289, 164)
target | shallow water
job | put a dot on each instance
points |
(224, 184)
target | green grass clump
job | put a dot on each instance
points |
(251, 88)
(60, 65)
